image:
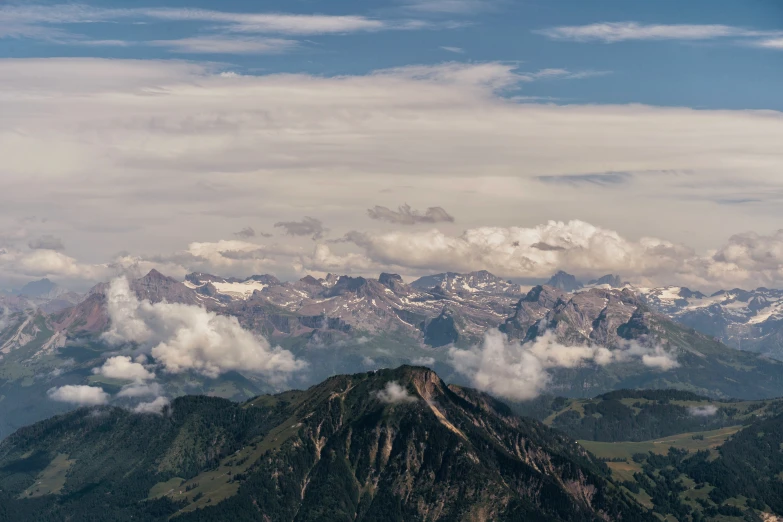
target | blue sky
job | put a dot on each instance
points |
(410, 136)
(731, 71)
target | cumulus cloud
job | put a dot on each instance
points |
(81, 395)
(122, 367)
(155, 407)
(703, 411)
(307, 227)
(521, 371)
(748, 259)
(141, 389)
(405, 215)
(46, 242)
(423, 361)
(394, 393)
(46, 262)
(188, 338)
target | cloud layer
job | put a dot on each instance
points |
(520, 371)
(283, 144)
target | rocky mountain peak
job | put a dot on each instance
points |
(390, 280)
(564, 281)
(156, 287)
(42, 288)
(545, 295)
(346, 284)
(310, 280)
(263, 278)
(613, 281)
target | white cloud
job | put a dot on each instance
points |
(141, 389)
(771, 43)
(457, 50)
(559, 74)
(122, 367)
(577, 247)
(423, 361)
(611, 32)
(703, 411)
(82, 395)
(520, 371)
(293, 24)
(32, 17)
(228, 45)
(295, 141)
(156, 406)
(394, 393)
(183, 338)
(451, 6)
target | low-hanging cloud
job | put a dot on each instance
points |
(155, 406)
(79, 394)
(123, 368)
(307, 227)
(189, 338)
(141, 389)
(703, 411)
(394, 393)
(424, 361)
(405, 215)
(521, 371)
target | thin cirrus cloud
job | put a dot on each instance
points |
(228, 45)
(223, 34)
(451, 6)
(613, 32)
(771, 43)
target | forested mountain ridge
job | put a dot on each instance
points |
(387, 445)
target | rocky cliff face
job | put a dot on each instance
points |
(591, 316)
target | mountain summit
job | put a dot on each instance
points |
(564, 281)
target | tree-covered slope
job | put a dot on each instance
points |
(387, 445)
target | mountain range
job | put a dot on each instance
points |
(343, 324)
